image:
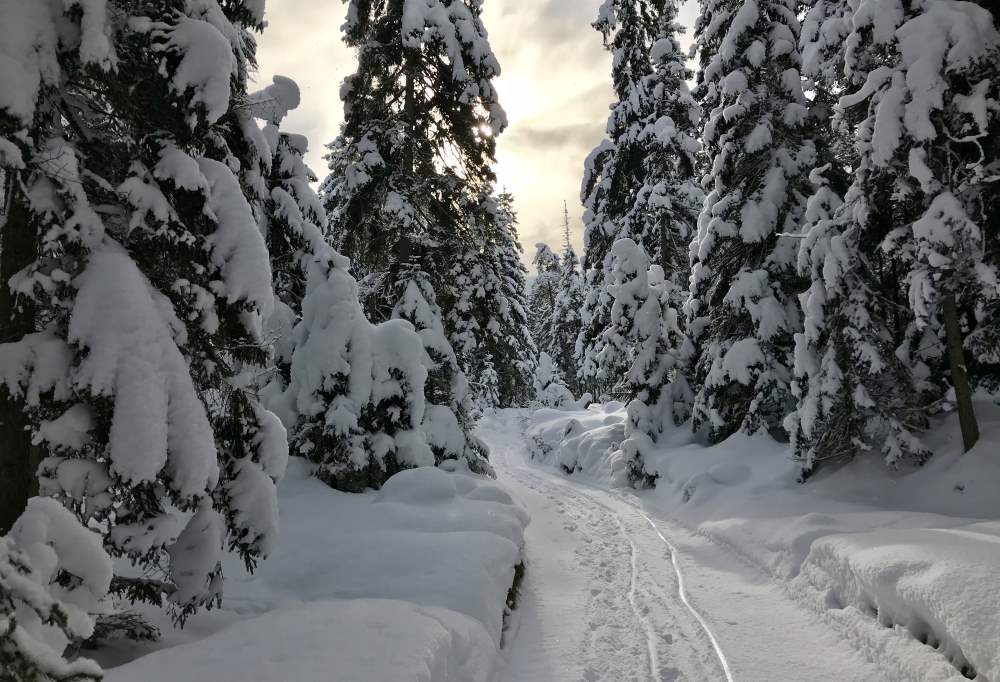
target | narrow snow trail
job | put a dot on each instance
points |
(613, 593)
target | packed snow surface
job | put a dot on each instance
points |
(901, 567)
(615, 590)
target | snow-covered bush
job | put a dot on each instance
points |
(53, 575)
(644, 318)
(448, 423)
(369, 400)
(550, 388)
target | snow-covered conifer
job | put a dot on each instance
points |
(905, 259)
(488, 323)
(544, 292)
(852, 389)
(447, 421)
(550, 388)
(417, 145)
(644, 318)
(54, 575)
(640, 182)
(566, 316)
(743, 310)
(664, 213)
(149, 281)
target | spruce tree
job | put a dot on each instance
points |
(148, 279)
(758, 134)
(447, 423)
(488, 323)
(664, 213)
(639, 183)
(414, 159)
(512, 348)
(293, 222)
(417, 145)
(645, 316)
(357, 389)
(566, 316)
(613, 174)
(898, 270)
(544, 292)
(852, 389)
(53, 575)
(943, 67)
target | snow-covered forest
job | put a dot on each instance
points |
(260, 423)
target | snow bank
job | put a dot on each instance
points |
(937, 584)
(580, 440)
(358, 640)
(409, 583)
(904, 563)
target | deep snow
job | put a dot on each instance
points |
(407, 584)
(729, 570)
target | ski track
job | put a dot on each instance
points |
(605, 597)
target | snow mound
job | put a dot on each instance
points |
(407, 584)
(425, 485)
(359, 640)
(580, 440)
(937, 584)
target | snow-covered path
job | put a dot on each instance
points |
(601, 598)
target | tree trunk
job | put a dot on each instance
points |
(665, 260)
(959, 375)
(18, 459)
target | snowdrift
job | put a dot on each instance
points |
(407, 584)
(580, 440)
(906, 564)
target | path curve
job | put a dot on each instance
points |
(615, 594)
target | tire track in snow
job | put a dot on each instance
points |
(539, 484)
(682, 593)
(654, 663)
(544, 480)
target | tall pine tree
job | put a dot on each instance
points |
(488, 323)
(544, 292)
(743, 309)
(640, 183)
(417, 144)
(613, 174)
(905, 260)
(415, 152)
(645, 317)
(566, 316)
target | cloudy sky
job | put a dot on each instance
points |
(555, 87)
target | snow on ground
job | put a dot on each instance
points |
(612, 593)
(903, 565)
(409, 583)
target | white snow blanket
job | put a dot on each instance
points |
(906, 564)
(409, 583)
